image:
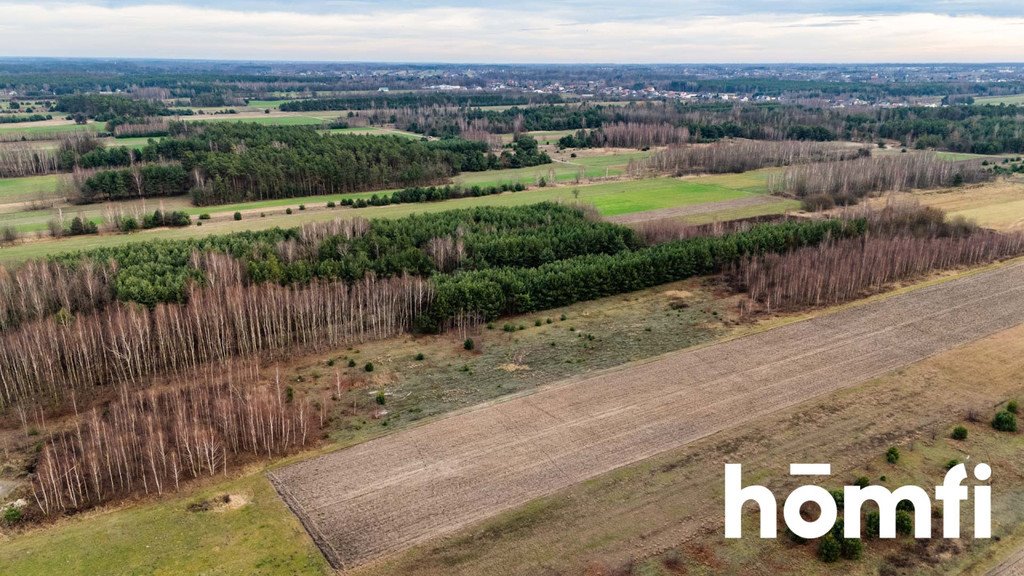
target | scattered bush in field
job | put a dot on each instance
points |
(853, 548)
(563, 317)
(238, 216)
(12, 515)
(952, 464)
(904, 522)
(420, 356)
(538, 322)
(1005, 422)
(829, 548)
(1011, 406)
(302, 206)
(872, 523)
(351, 363)
(959, 433)
(509, 327)
(204, 216)
(838, 496)
(892, 455)
(673, 558)
(8, 235)
(331, 204)
(288, 211)
(368, 367)
(862, 481)
(468, 344)
(381, 399)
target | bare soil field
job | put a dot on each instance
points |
(393, 492)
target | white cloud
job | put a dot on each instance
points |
(499, 35)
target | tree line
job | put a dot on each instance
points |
(826, 184)
(363, 101)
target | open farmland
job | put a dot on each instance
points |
(998, 205)
(610, 198)
(390, 493)
(663, 515)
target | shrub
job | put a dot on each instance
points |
(959, 433)
(853, 548)
(1005, 422)
(381, 398)
(368, 367)
(351, 363)
(862, 481)
(238, 216)
(12, 515)
(952, 464)
(838, 496)
(509, 327)
(829, 548)
(204, 216)
(420, 356)
(538, 322)
(1011, 406)
(904, 522)
(469, 344)
(331, 204)
(872, 523)
(8, 235)
(287, 210)
(892, 455)
(302, 206)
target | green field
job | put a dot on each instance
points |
(597, 166)
(47, 128)
(260, 537)
(1011, 99)
(26, 188)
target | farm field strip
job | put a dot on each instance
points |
(390, 493)
(610, 198)
(700, 209)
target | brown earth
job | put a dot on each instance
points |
(393, 492)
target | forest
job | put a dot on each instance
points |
(234, 162)
(328, 284)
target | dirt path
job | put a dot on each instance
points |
(1012, 566)
(693, 210)
(390, 493)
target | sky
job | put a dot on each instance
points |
(523, 31)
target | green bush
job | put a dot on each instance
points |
(892, 455)
(381, 398)
(331, 204)
(829, 548)
(302, 206)
(368, 367)
(1005, 422)
(469, 344)
(204, 216)
(238, 216)
(12, 515)
(420, 356)
(872, 523)
(959, 433)
(862, 481)
(853, 548)
(351, 363)
(287, 210)
(952, 464)
(1011, 406)
(904, 522)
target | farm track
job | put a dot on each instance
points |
(390, 493)
(693, 210)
